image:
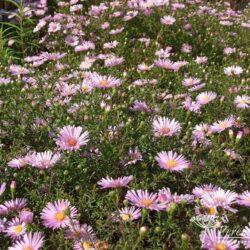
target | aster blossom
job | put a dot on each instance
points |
(71, 138)
(220, 198)
(144, 199)
(104, 81)
(44, 159)
(163, 126)
(30, 241)
(127, 214)
(115, 183)
(245, 236)
(205, 97)
(242, 102)
(172, 161)
(212, 239)
(56, 214)
(244, 199)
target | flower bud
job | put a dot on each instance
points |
(26, 216)
(143, 230)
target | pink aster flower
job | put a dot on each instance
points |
(54, 27)
(190, 81)
(18, 70)
(242, 102)
(12, 206)
(77, 232)
(140, 198)
(115, 183)
(164, 63)
(127, 214)
(233, 70)
(18, 162)
(245, 236)
(172, 161)
(220, 198)
(201, 59)
(205, 97)
(244, 199)
(168, 20)
(134, 155)
(163, 126)
(43, 160)
(56, 215)
(71, 139)
(141, 106)
(105, 81)
(15, 228)
(30, 241)
(222, 125)
(204, 189)
(212, 239)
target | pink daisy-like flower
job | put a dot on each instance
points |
(30, 241)
(222, 125)
(15, 228)
(144, 67)
(204, 189)
(242, 102)
(56, 215)
(18, 70)
(43, 160)
(134, 155)
(172, 161)
(164, 63)
(12, 206)
(127, 214)
(205, 97)
(76, 232)
(212, 239)
(190, 81)
(201, 59)
(233, 70)
(245, 236)
(105, 81)
(18, 162)
(115, 183)
(71, 139)
(54, 27)
(141, 106)
(168, 20)
(244, 199)
(163, 126)
(140, 198)
(220, 198)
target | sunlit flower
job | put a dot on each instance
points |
(140, 198)
(30, 241)
(242, 102)
(44, 159)
(212, 239)
(127, 214)
(71, 139)
(204, 189)
(205, 97)
(56, 215)
(244, 199)
(172, 161)
(220, 198)
(163, 126)
(15, 228)
(233, 70)
(134, 155)
(115, 183)
(12, 206)
(221, 125)
(18, 162)
(105, 81)
(168, 20)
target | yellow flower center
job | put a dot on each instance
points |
(223, 125)
(211, 210)
(171, 163)
(104, 83)
(72, 142)
(125, 217)
(60, 216)
(86, 245)
(220, 246)
(206, 98)
(165, 130)
(243, 101)
(146, 202)
(18, 229)
(28, 248)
